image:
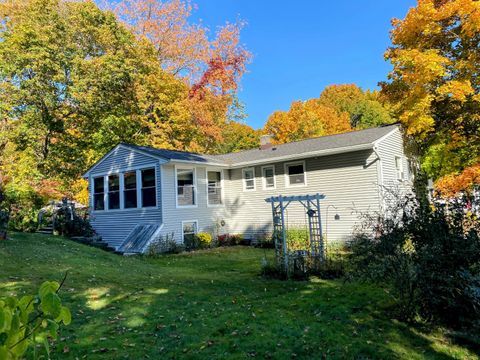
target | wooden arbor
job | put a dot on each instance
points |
(311, 204)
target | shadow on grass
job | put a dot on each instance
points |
(209, 305)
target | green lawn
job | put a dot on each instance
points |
(208, 304)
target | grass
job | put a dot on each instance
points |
(209, 304)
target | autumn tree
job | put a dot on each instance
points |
(434, 83)
(306, 119)
(212, 67)
(363, 107)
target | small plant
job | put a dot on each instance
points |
(236, 239)
(31, 319)
(164, 245)
(204, 239)
(297, 238)
(265, 241)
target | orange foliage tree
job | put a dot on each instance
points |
(306, 119)
(211, 67)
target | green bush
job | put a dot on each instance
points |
(31, 319)
(164, 245)
(428, 256)
(69, 224)
(235, 239)
(297, 239)
(265, 241)
(204, 239)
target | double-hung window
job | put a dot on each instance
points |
(99, 193)
(113, 192)
(248, 179)
(399, 168)
(149, 191)
(130, 189)
(295, 174)
(214, 187)
(268, 177)
(186, 187)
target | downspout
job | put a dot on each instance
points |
(380, 179)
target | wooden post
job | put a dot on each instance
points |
(284, 236)
(322, 250)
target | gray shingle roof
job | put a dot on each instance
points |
(331, 142)
(297, 148)
(177, 155)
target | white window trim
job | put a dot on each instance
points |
(195, 187)
(287, 178)
(244, 180)
(189, 221)
(264, 179)
(120, 173)
(222, 184)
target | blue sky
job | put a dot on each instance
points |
(301, 46)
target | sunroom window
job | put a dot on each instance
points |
(149, 192)
(130, 189)
(295, 174)
(185, 187)
(214, 188)
(113, 192)
(99, 193)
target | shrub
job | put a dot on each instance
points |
(230, 239)
(428, 255)
(265, 241)
(297, 238)
(30, 319)
(204, 239)
(236, 239)
(69, 223)
(164, 245)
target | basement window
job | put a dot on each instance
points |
(189, 230)
(99, 193)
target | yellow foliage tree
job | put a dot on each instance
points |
(434, 84)
(306, 119)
